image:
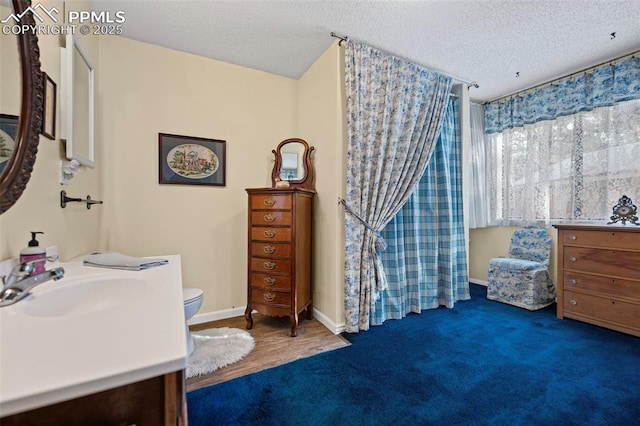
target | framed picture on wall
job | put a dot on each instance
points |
(8, 132)
(188, 160)
(49, 119)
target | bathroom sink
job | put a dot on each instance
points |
(93, 330)
(74, 298)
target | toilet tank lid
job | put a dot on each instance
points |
(190, 294)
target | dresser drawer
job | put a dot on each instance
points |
(601, 261)
(269, 297)
(601, 308)
(270, 201)
(611, 286)
(259, 233)
(270, 218)
(267, 281)
(269, 265)
(606, 239)
(271, 250)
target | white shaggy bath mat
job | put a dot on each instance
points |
(215, 348)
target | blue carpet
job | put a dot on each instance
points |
(481, 363)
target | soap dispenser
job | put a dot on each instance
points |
(34, 252)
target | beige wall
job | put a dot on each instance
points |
(320, 123)
(145, 90)
(73, 230)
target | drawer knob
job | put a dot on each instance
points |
(573, 258)
(269, 280)
(573, 237)
(573, 281)
(573, 302)
(269, 233)
(269, 265)
(613, 282)
(268, 249)
(269, 217)
(269, 297)
(269, 202)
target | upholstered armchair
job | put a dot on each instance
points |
(523, 278)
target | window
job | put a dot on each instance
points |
(572, 168)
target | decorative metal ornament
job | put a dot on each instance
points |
(625, 211)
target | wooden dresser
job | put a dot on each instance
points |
(599, 275)
(279, 267)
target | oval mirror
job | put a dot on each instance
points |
(18, 167)
(293, 164)
(292, 167)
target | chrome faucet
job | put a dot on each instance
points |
(21, 281)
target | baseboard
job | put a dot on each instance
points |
(479, 282)
(236, 312)
(330, 325)
(216, 315)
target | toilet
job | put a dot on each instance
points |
(192, 298)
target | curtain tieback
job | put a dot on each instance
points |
(380, 243)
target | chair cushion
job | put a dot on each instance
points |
(512, 264)
(531, 243)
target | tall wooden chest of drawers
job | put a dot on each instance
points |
(599, 275)
(280, 242)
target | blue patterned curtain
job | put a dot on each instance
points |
(426, 260)
(394, 113)
(604, 86)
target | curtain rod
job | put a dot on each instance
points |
(549, 82)
(342, 38)
(461, 80)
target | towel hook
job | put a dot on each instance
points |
(64, 200)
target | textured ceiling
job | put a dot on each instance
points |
(503, 45)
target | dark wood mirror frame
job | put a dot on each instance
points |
(17, 172)
(309, 178)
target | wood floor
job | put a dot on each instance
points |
(274, 345)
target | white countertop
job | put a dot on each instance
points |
(55, 347)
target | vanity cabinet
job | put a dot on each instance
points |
(157, 401)
(280, 243)
(599, 275)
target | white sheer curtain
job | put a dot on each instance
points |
(480, 212)
(575, 167)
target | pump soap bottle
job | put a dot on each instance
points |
(34, 252)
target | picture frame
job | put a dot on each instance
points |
(50, 102)
(189, 160)
(8, 133)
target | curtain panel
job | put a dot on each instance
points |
(426, 259)
(394, 112)
(603, 86)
